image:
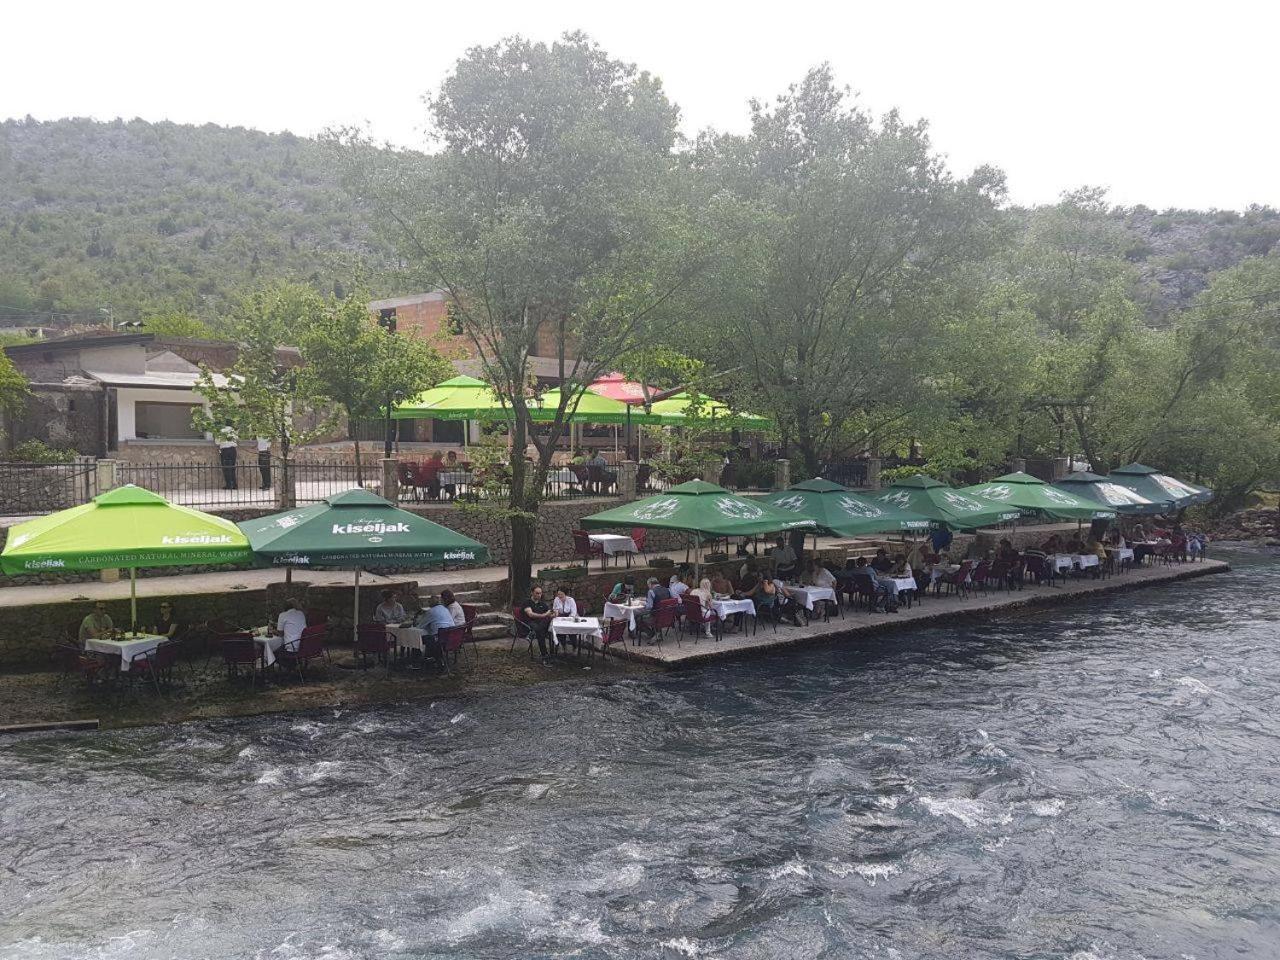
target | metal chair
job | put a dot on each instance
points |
(310, 647)
(240, 651)
(372, 639)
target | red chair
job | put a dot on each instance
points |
(429, 478)
(695, 617)
(238, 652)
(958, 581)
(615, 631)
(520, 629)
(373, 640)
(310, 647)
(469, 613)
(70, 659)
(638, 537)
(584, 548)
(156, 666)
(451, 640)
(978, 579)
(407, 476)
(665, 616)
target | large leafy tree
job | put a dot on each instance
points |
(848, 238)
(354, 365)
(552, 220)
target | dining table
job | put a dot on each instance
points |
(578, 627)
(624, 611)
(127, 646)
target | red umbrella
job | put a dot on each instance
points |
(616, 386)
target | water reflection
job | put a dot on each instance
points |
(1094, 782)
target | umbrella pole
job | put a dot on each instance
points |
(355, 612)
(133, 599)
(288, 575)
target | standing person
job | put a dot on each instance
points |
(264, 461)
(96, 625)
(784, 559)
(291, 623)
(227, 449)
(538, 615)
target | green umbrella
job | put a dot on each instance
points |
(460, 398)
(682, 408)
(843, 513)
(125, 528)
(1031, 493)
(355, 529)
(1159, 487)
(590, 408)
(702, 508)
(931, 498)
(1120, 499)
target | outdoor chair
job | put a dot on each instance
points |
(520, 629)
(157, 666)
(638, 537)
(665, 616)
(373, 640)
(71, 660)
(643, 474)
(601, 480)
(239, 653)
(584, 548)
(960, 581)
(1016, 575)
(451, 640)
(615, 631)
(866, 592)
(407, 479)
(696, 618)
(469, 614)
(580, 474)
(978, 578)
(310, 647)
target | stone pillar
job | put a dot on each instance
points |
(1061, 467)
(781, 474)
(711, 472)
(286, 486)
(874, 465)
(627, 470)
(390, 479)
(107, 475)
(1019, 465)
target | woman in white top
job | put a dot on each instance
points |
(454, 607)
(564, 605)
(820, 576)
(703, 593)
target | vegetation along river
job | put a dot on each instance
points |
(1095, 781)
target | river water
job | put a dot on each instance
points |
(1098, 781)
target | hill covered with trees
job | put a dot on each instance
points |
(145, 218)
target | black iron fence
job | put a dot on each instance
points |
(205, 485)
(37, 488)
(313, 482)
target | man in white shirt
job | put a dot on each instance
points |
(291, 623)
(784, 559)
(677, 586)
(264, 461)
(227, 445)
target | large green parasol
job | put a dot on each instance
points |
(931, 498)
(1120, 499)
(701, 508)
(684, 408)
(125, 528)
(460, 398)
(357, 529)
(589, 407)
(1031, 493)
(842, 512)
(1159, 487)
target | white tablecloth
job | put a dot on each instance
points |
(613, 543)
(583, 627)
(1085, 560)
(727, 608)
(268, 646)
(1060, 561)
(623, 611)
(1122, 554)
(453, 478)
(904, 583)
(563, 476)
(808, 596)
(406, 637)
(128, 648)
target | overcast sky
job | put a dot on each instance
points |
(1165, 103)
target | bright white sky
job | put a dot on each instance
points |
(1167, 103)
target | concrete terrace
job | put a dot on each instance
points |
(933, 610)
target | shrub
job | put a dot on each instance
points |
(36, 451)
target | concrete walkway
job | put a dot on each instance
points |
(933, 609)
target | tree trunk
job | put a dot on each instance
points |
(359, 469)
(523, 522)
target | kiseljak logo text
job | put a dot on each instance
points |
(379, 527)
(195, 538)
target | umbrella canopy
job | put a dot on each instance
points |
(615, 386)
(1031, 493)
(591, 408)
(838, 510)
(681, 408)
(459, 398)
(933, 499)
(1156, 486)
(1121, 499)
(357, 528)
(702, 508)
(123, 529)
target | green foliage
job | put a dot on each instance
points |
(177, 324)
(14, 389)
(36, 451)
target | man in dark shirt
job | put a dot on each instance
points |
(537, 614)
(881, 561)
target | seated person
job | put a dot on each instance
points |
(656, 594)
(290, 624)
(677, 586)
(1006, 552)
(721, 587)
(167, 625)
(820, 576)
(97, 625)
(623, 590)
(1099, 550)
(702, 593)
(454, 607)
(1051, 546)
(538, 616)
(563, 605)
(390, 610)
(885, 589)
(881, 562)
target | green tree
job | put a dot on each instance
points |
(356, 366)
(551, 218)
(175, 323)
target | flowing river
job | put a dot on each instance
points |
(1094, 782)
